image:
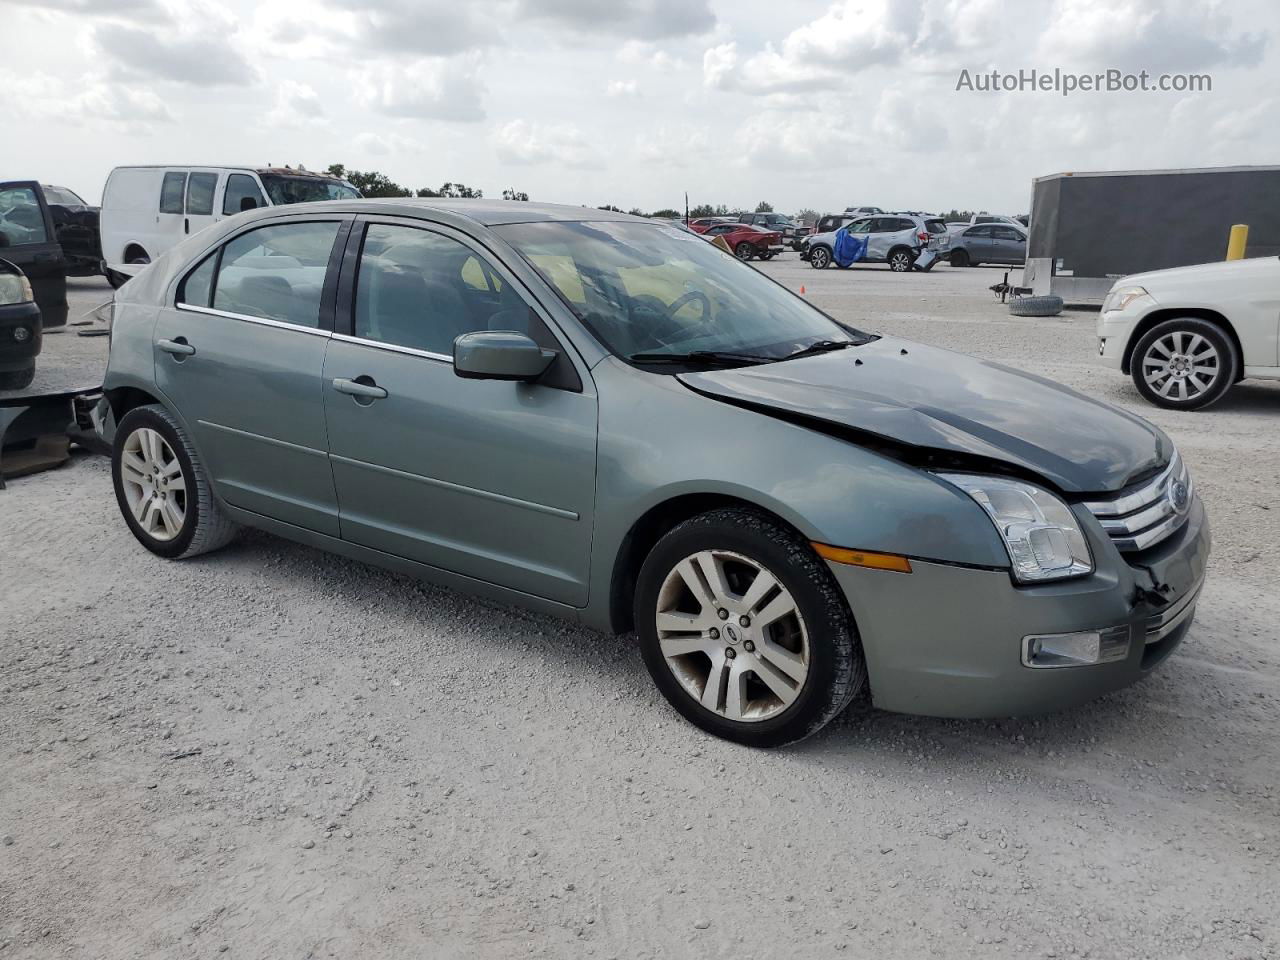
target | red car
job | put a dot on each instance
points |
(703, 224)
(746, 241)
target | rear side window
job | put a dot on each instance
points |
(242, 194)
(171, 191)
(200, 187)
(198, 284)
(21, 219)
(276, 272)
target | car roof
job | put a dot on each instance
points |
(488, 213)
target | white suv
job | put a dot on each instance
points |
(1186, 335)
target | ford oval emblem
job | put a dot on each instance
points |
(1179, 496)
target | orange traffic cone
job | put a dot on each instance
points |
(802, 289)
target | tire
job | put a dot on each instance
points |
(819, 258)
(767, 256)
(960, 258)
(1184, 364)
(1035, 306)
(203, 526)
(900, 260)
(744, 251)
(17, 379)
(117, 280)
(815, 640)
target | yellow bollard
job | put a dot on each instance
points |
(1238, 241)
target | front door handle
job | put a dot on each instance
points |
(359, 389)
(179, 347)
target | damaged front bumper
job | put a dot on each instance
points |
(952, 641)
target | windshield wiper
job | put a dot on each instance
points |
(717, 357)
(822, 346)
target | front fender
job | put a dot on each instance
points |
(659, 440)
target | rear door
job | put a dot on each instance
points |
(27, 240)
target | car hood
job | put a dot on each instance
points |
(938, 401)
(1219, 270)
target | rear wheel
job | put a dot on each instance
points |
(1184, 364)
(744, 629)
(767, 255)
(900, 260)
(744, 251)
(162, 487)
(819, 258)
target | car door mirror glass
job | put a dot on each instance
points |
(499, 355)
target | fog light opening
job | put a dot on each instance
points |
(1080, 649)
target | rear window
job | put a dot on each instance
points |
(171, 191)
(200, 187)
(936, 226)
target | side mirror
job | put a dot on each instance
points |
(499, 355)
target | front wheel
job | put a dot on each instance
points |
(1184, 364)
(162, 487)
(819, 258)
(744, 630)
(959, 258)
(17, 379)
(767, 255)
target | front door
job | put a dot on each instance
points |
(240, 355)
(27, 240)
(1010, 245)
(491, 479)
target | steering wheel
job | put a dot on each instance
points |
(689, 297)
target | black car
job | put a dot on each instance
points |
(75, 226)
(19, 328)
(29, 240)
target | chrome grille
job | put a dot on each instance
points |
(1144, 516)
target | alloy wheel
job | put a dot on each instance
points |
(732, 636)
(900, 262)
(154, 485)
(1181, 365)
(819, 258)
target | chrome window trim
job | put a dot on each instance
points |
(393, 348)
(264, 321)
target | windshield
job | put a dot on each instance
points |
(644, 288)
(64, 197)
(283, 190)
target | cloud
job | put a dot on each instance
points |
(205, 53)
(678, 146)
(122, 9)
(528, 144)
(421, 27)
(88, 100)
(297, 105)
(633, 19)
(622, 88)
(386, 144)
(427, 89)
(1178, 36)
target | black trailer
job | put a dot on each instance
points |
(1089, 229)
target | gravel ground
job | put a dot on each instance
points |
(271, 752)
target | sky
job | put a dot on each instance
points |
(817, 104)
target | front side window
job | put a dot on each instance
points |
(242, 194)
(21, 219)
(171, 192)
(200, 187)
(422, 290)
(1007, 233)
(276, 272)
(644, 288)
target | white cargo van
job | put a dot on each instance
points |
(147, 210)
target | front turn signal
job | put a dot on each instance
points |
(863, 558)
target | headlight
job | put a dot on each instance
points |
(14, 288)
(1039, 531)
(1121, 297)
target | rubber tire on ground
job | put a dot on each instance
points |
(900, 260)
(206, 527)
(960, 258)
(17, 379)
(1228, 371)
(837, 670)
(768, 255)
(744, 251)
(820, 258)
(1035, 306)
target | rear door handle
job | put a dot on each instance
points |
(179, 348)
(364, 391)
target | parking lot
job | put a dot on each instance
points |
(273, 752)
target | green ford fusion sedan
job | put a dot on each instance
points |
(608, 419)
